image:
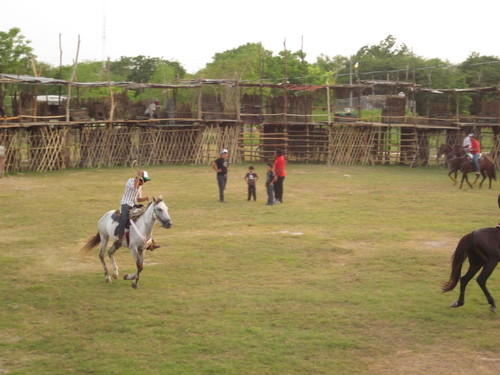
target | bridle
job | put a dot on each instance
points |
(165, 223)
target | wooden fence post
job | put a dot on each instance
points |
(2, 160)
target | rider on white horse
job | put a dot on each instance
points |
(131, 196)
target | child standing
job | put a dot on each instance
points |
(251, 178)
(269, 185)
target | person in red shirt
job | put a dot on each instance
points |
(475, 149)
(279, 176)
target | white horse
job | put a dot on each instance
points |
(139, 236)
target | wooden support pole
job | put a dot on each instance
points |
(73, 73)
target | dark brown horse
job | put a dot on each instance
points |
(458, 161)
(482, 248)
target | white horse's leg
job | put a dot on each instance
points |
(128, 276)
(140, 266)
(138, 255)
(111, 253)
(104, 243)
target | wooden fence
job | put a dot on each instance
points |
(92, 145)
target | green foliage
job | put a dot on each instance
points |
(146, 69)
(15, 52)
(331, 65)
(252, 62)
(389, 60)
(246, 62)
(481, 71)
(386, 49)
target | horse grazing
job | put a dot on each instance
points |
(137, 239)
(482, 248)
(458, 161)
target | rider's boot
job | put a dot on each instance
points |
(152, 245)
(118, 242)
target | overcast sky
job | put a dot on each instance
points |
(192, 31)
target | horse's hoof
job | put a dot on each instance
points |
(115, 276)
(455, 304)
(108, 280)
(125, 277)
(493, 309)
(134, 285)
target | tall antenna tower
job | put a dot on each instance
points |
(104, 52)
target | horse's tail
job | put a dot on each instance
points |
(458, 258)
(91, 243)
(493, 172)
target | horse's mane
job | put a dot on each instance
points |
(137, 212)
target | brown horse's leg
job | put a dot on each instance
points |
(451, 177)
(467, 180)
(484, 178)
(464, 280)
(464, 178)
(483, 277)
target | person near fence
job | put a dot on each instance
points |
(279, 176)
(251, 179)
(152, 109)
(131, 197)
(269, 185)
(221, 166)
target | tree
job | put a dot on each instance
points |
(481, 71)
(245, 62)
(142, 69)
(387, 48)
(15, 52)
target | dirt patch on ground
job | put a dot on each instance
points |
(437, 361)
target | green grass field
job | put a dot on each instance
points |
(343, 278)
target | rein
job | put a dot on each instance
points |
(137, 230)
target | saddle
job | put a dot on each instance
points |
(134, 213)
(469, 156)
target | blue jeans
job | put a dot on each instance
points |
(270, 194)
(221, 181)
(475, 162)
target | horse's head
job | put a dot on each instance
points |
(161, 212)
(444, 149)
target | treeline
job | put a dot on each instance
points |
(388, 60)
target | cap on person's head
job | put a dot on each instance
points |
(471, 135)
(145, 177)
(223, 151)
